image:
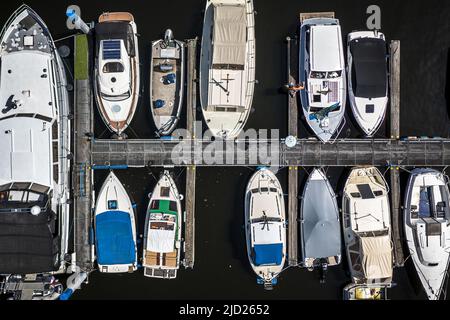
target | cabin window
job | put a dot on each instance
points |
(113, 67)
(334, 74)
(318, 75)
(173, 206)
(154, 205)
(112, 205)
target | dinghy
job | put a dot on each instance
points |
(227, 66)
(115, 228)
(322, 72)
(34, 164)
(265, 227)
(367, 227)
(116, 70)
(162, 240)
(367, 79)
(365, 292)
(320, 228)
(166, 83)
(426, 222)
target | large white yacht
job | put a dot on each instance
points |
(227, 66)
(34, 164)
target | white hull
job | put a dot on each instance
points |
(166, 117)
(226, 94)
(116, 106)
(265, 224)
(367, 227)
(162, 248)
(369, 122)
(428, 238)
(322, 71)
(36, 80)
(113, 190)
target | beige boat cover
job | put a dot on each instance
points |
(377, 257)
(230, 34)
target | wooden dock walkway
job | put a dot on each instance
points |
(395, 171)
(189, 234)
(82, 173)
(293, 170)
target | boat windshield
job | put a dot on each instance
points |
(120, 97)
(113, 67)
(325, 75)
(22, 201)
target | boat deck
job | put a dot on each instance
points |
(27, 35)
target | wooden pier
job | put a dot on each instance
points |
(396, 211)
(82, 173)
(189, 233)
(293, 170)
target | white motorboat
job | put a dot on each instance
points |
(162, 240)
(35, 167)
(367, 227)
(166, 83)
(367, 79)
(322, 73)
(426, 222)
(227, 66)
(117, 78)
(265, 226)
(320, 227)
(115, 228)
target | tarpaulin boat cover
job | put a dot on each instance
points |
(162, 241)
(369, 70)
(321, 228)
(114, 238)
(377, 257)
(230, 35)
(27, 243)
(116, 31)
(268, 254)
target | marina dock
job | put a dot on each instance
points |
(293, 170)
(82, 173)
(189, 233)
(396, 211)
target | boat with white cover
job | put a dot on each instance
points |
(117, 78)
(34, 162)
(227, 66)
(163, 223)
(367, 79)
(367, 227)
(166, 83)
(320, 227)
(322, 73)
(115, 228)
(265, 226)
(426, 223)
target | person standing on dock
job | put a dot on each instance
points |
(294, 88)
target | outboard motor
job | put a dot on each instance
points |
(168, 36)
(323, 270)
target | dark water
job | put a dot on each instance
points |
(221, 267)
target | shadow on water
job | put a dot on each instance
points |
(447, 85)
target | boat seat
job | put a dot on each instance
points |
(433, 227)
(414, 212)
(166, 67)
(151, 258)
(440, 209)
(170, 259)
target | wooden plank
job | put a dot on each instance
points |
(395, 89)
(312, 15)
(189, 238)
(293, 171)
(82, 173)
(396, 211)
